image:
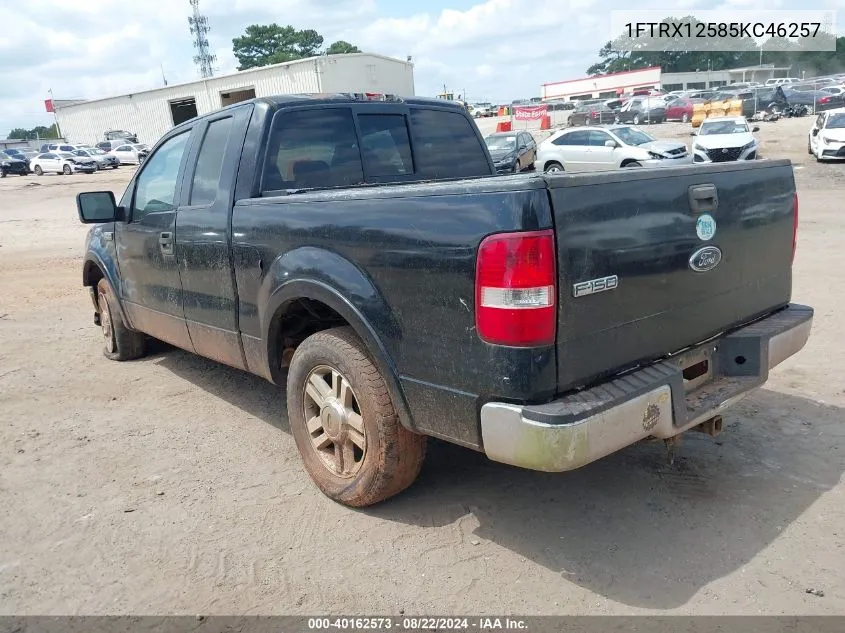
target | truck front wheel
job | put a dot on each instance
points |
(344, 423)
(121, 343)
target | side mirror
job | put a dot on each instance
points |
(97, 207)
(522, 148)
(756, 128)
(692, 133)
(815, 131)
(611, 144)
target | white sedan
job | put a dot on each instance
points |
(593, 148)
(827, 136)
(62, 163)
(130, 153)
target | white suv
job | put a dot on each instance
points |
(591, 148)
(724, 139)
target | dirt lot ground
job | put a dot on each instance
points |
(172, 485)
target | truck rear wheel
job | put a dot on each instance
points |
(121, 343)
(344, 423)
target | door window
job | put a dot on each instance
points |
(155, 188)
(312, 148)
(598, 138)
(210, 162)
(581, 138)
(446, 145)
(385, 144)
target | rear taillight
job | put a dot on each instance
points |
(824, 100)
(794, 225)
(515, 289)
(594, 115)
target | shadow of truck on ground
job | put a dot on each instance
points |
(628, 527)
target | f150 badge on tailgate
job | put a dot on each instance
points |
(593, 286)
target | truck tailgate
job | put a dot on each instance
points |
(629, 292)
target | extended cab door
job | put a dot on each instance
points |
(149, 277)
(203, 238)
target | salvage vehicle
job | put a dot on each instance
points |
(642, 110)
(103, 159)
(723, 139)
(62, 163)
(545, 320)
(826, 140)
(606, 148)
(512, 152)
(12, 165)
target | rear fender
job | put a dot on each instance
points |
(327, 277)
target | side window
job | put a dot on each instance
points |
(156, 185)
(312, 148)
(578, 138)
(446, 145)
(210, 162)
(385, 145)
(123, 148)
(563, 139)
(49, 157)
(597, 139)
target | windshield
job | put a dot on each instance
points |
(723, 127)
(836, 121)
(632, 136)
(501, 142)
(4, 156)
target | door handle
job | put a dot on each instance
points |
(703, 198)
(165, 241)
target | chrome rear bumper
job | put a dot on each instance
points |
(661, 400)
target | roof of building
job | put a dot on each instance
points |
(59, 103)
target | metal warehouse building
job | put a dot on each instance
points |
(150, 113)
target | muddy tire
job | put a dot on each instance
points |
(66, 170)
(344, 423)
(39, 171)
(121, 343)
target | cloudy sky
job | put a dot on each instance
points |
(493, 50)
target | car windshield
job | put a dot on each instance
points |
(501, 142)
(632, 136)
(95, 151)
(722, 127)
(836, 121)
(4, 156)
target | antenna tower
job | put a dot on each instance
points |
(199, 29)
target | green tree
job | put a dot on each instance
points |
(341, 47)
(308, 43)
(265, 44)
(39, 131)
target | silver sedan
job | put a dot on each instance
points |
(103, 159)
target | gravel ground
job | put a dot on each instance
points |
(172, 484)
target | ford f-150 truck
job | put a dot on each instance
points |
(365, 253)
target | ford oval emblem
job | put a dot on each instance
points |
(705, 259)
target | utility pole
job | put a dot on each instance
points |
(199, 29)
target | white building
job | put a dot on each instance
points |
(602, 86)
(150, 113)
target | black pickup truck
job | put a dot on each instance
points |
(365, 253)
